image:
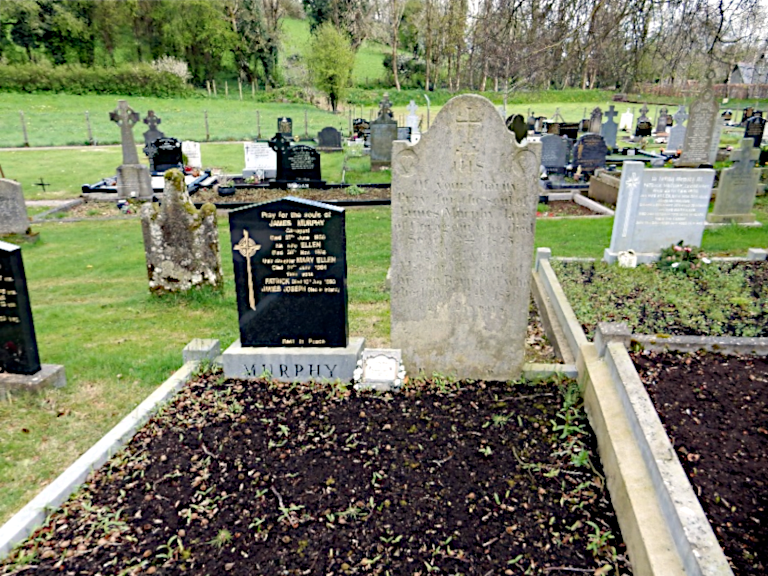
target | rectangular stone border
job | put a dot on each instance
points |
(56, 209)
(33, 515)
(578, 198)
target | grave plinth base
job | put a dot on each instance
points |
(731, 218)
(26, 238)
(49, 375)
(294, 185)
(293, 364)
(134, 181)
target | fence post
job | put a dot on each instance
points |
(240, 88)
(88, 124)
(350, 123)
(208, 87)
(258, 125)
(253, 89)
(207, 133)
(226, 88)
(24, 128)
(214, 89)
(306, 131)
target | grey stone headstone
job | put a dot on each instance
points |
(658, 207)
(609, 130)
(153, 133)
(714, 146)
(702, 123)
(677, 131)
(181, 243)
(661, 123)
(13, 210)
(383, 133)
(463, 216)
(738, 187)
(133, 178)
(554, 153)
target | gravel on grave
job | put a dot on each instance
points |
(715, 410)
(250, 478)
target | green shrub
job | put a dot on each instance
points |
(128, 80)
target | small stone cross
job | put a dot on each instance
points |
(610, 114)
(412, 108)
(125, 117)
(151, 120)
(279, 143)
(744, 157)
(385, 106)
(643, 112)
(680, 116)
(248, 249)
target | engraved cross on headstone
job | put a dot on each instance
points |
(248, 248)
(125, 117)
(744, 158)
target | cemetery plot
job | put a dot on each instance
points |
(713, 409)
(722, 299)
(292, 479)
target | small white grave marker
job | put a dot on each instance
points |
(379, 369)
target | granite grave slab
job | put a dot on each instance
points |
(590, 153)
(738, 186)
(259, 159)
(19, 353)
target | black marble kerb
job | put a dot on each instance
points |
(18, 345)
(290, 270)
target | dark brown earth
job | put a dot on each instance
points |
(248, 478)
(565, 208)
(715, 411)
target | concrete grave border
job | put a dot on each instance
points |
(33, 515)
(662, 522)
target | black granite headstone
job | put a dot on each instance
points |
(754, 129)
(299, 164)
(747, 114)
(644, 128)
(285, 126)
(361, 127)
(164, 154)
(290, 270)
(727, 116)
(18, 345)
(584, 125)
(570, 129)
(554, 153)
(329, 139)
(590, 152)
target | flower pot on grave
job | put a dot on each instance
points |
(227, 190)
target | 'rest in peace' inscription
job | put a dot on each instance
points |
(18, 345)
(290, 273)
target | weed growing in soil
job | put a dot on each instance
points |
(272, 478)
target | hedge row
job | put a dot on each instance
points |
(128, 80)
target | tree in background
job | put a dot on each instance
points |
(351, 16)
(256, 25)
(330, 61)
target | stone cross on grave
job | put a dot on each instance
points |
(385, 106)
(248, 248)
(412, 108)
(151, 120)
(279, 143)
(680, 116)
(643, 112)
(744, 158)
(125, 117)
(557, 117)
(610, 114)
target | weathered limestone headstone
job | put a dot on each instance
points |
(596, 121)
(13, 211)
(658, 207)
(181, 243)
(677, 131)
(627, 120)
(20, 367)
(738, 186)
(191, 150)
(383, 133)
(699, 133)
(463, 217)
(133, 178)
(609, 129)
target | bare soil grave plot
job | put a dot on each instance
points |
(254, 478)
(715, 411)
